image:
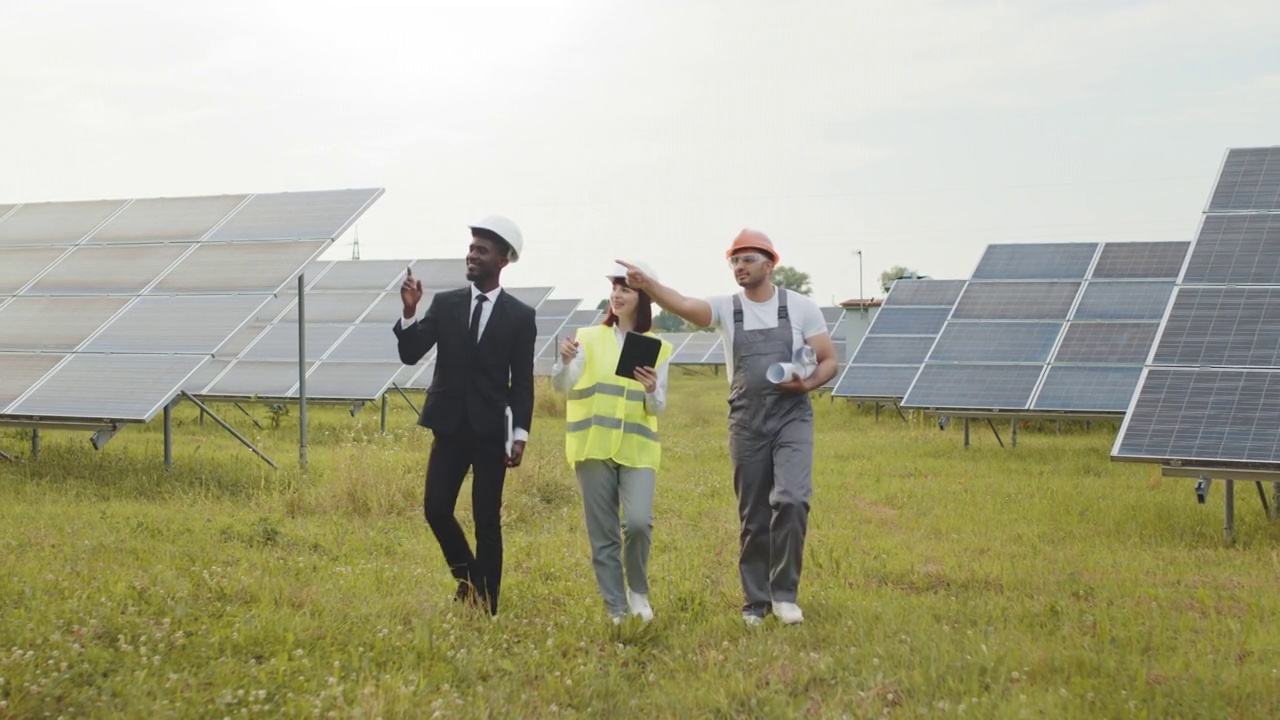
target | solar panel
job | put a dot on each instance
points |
(1036, 261)
(143, 300)
(1087, 388)
(1236, 250)
(281, 341)
(548, 326)
(909, 321)
(350, 380)
(166, 219)
(186, 324)
(996, 342)
(239, 267)
(79, 388)
(695, 349)
(296, 215)
(558, 308)
(241, 339)
(1208, 395)
(18, 266)
(942, 386)
(280, 307)
(1086, 365)
(1141, 260)
(887, 382)
(893, 350)
(204, 375)
(20, 371)
(336, 307)
(1016, 301)
(54, 223)
(1204, 415)
(1124, 300)
(389, 308)
(368, 275)
(887, 357)
(423, 374)
(367, 342)
(1248, 182)
(257, 378)
(1216, 326)
(532, 296)
(1125, 343)
(107, 270)
(938, 293)
(441, 274)
(53, 323)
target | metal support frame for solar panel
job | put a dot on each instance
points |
(150, 261)
(1206, 399)
(1050, 334)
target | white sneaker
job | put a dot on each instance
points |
(640, 605)
(616, 619)
(788, 613)
(752, 620)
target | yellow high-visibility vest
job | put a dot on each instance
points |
(605, 417)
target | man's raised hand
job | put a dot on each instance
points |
(636, 278)
(410, 294)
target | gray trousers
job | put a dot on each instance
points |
(773, 478)
(615, 543)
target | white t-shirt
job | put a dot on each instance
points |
(806, 319)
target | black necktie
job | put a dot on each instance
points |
(475, 318)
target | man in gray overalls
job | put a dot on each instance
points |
(770, 424)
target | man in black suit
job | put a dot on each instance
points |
(484, 364)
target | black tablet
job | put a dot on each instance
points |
(637, 351)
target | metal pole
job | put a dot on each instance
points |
(302, 371)
(35, 443)
(966, 433)
(1014, 432)
(861, 296)
(168, 437)
(1229, 513)
(384, 413)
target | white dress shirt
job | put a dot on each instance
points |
(517, 434)
(564, 377)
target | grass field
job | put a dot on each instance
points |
(1041, 581)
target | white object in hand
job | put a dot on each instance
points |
(782, 372)
(510, 431)
(805, 362)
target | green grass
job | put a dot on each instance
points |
(1041, 581)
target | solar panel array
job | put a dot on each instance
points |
(898, 340)
(1210, 392)
(108, 307)
(351, 352)
(1044, 328)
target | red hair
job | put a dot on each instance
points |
(644, 310)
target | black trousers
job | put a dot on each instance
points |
(452, 455)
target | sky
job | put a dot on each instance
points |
(914, 131)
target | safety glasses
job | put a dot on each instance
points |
(747, 258)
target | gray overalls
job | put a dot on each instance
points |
(771, 443)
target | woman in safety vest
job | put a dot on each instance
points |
(611, 440)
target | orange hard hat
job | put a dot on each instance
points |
(753, 240)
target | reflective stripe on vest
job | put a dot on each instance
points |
(605, 418)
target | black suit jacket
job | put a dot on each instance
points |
(474, 384)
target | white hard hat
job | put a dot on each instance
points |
(505, 229)
(618, 270)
